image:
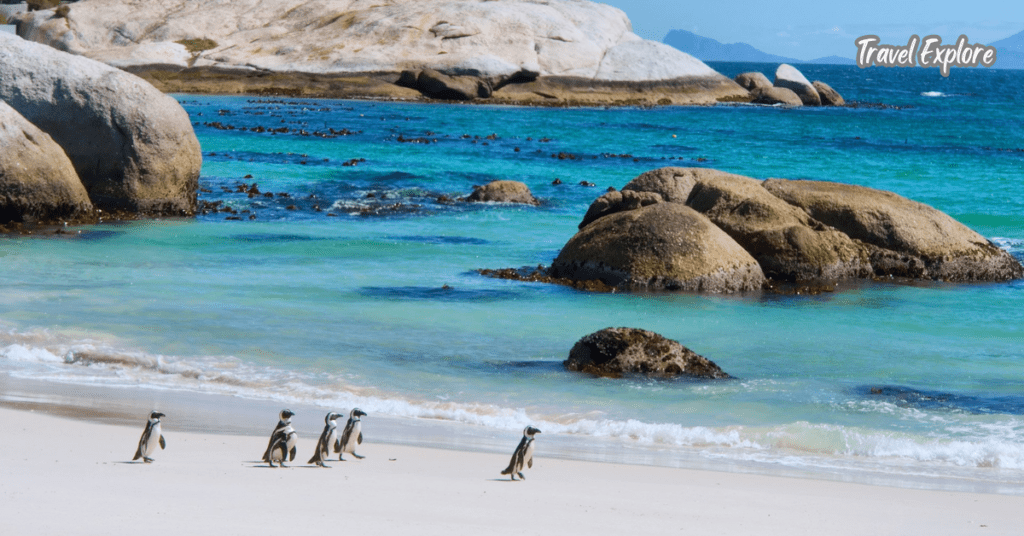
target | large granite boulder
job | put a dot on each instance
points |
(503, 192)
(776, 95)
(618, 351)
(492, 41)
(673, 184)
(37, 181)
(664, 246)
(613, 202)
(905, 238)
(133, 147)
(787, 243)
(753, 80)
(789, 77)
(829, 96)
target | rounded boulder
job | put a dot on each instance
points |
(617, 351)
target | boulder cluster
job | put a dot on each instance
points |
(700, 229)
(791, 88)
(81, 137)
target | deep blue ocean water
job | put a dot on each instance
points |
(358, 287)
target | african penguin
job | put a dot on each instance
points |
(151, 436)
(352, 436)
(327, 438)
(523, 456)
(282, 440)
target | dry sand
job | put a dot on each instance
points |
(72, 477)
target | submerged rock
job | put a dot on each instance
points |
(133, 147)
(37, 181)
(618, 351)
(503, 192)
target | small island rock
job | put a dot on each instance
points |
(829, 96)
(776, 95)
(617, 351)
(789, 77)
(753, 80)
(503, 192)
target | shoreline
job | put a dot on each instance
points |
(211, 484)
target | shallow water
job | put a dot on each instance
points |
(348, 305)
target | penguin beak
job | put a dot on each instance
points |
(360, 413)
(159, 415)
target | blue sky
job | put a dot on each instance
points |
(806, 29)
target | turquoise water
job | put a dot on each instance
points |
(347, 305)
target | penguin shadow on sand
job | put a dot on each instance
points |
(522, 457)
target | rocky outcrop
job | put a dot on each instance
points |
(503, 192)
(787, 243)
(441, 86)
(776, 95)
(664, 246)
(789, 77)
(132, 146)
(37, 181)
(829, 96)
(569, 43)
(753, 80)
(617, 351)
(798, 231)
(613, 202)
(905, 238)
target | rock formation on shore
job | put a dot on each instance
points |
(132, 147)
(706, 230)
(790, 88)
(556, 50)
(37, 181)
(618, 351)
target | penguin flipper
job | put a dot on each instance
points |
(360, 438)
(292, 459)
(138, 454)
(163, 444)
(529, 463)
(337, 445)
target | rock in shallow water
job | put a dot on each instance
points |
(503, 192)
(789, 77)
(618, 351)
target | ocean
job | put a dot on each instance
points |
(350, 279)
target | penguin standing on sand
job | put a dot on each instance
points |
(352, 436)
(151, 436)
(523, 456)
(327, 438)
(282, 441)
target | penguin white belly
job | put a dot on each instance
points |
(353, 438)
(528, 457)
(154, 440)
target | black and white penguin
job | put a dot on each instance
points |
(151, 436)
(523, 456)
(327, 438)
(352, 436)
(282, 440)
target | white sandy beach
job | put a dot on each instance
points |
(64, 476)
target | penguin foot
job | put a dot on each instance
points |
(521, 476)
(358, 456)
(147, 460)
(340, 459)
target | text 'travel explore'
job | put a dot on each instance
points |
(927, 52)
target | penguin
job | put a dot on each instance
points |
(327, 438)
(150, 437)
(282, 440)
(352, 436)
(523, 456)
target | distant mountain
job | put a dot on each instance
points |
(1010, 52)
(707, 49)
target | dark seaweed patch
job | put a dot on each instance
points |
(459, 240)
(444, 293)
(944, 401)
(269, 237)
